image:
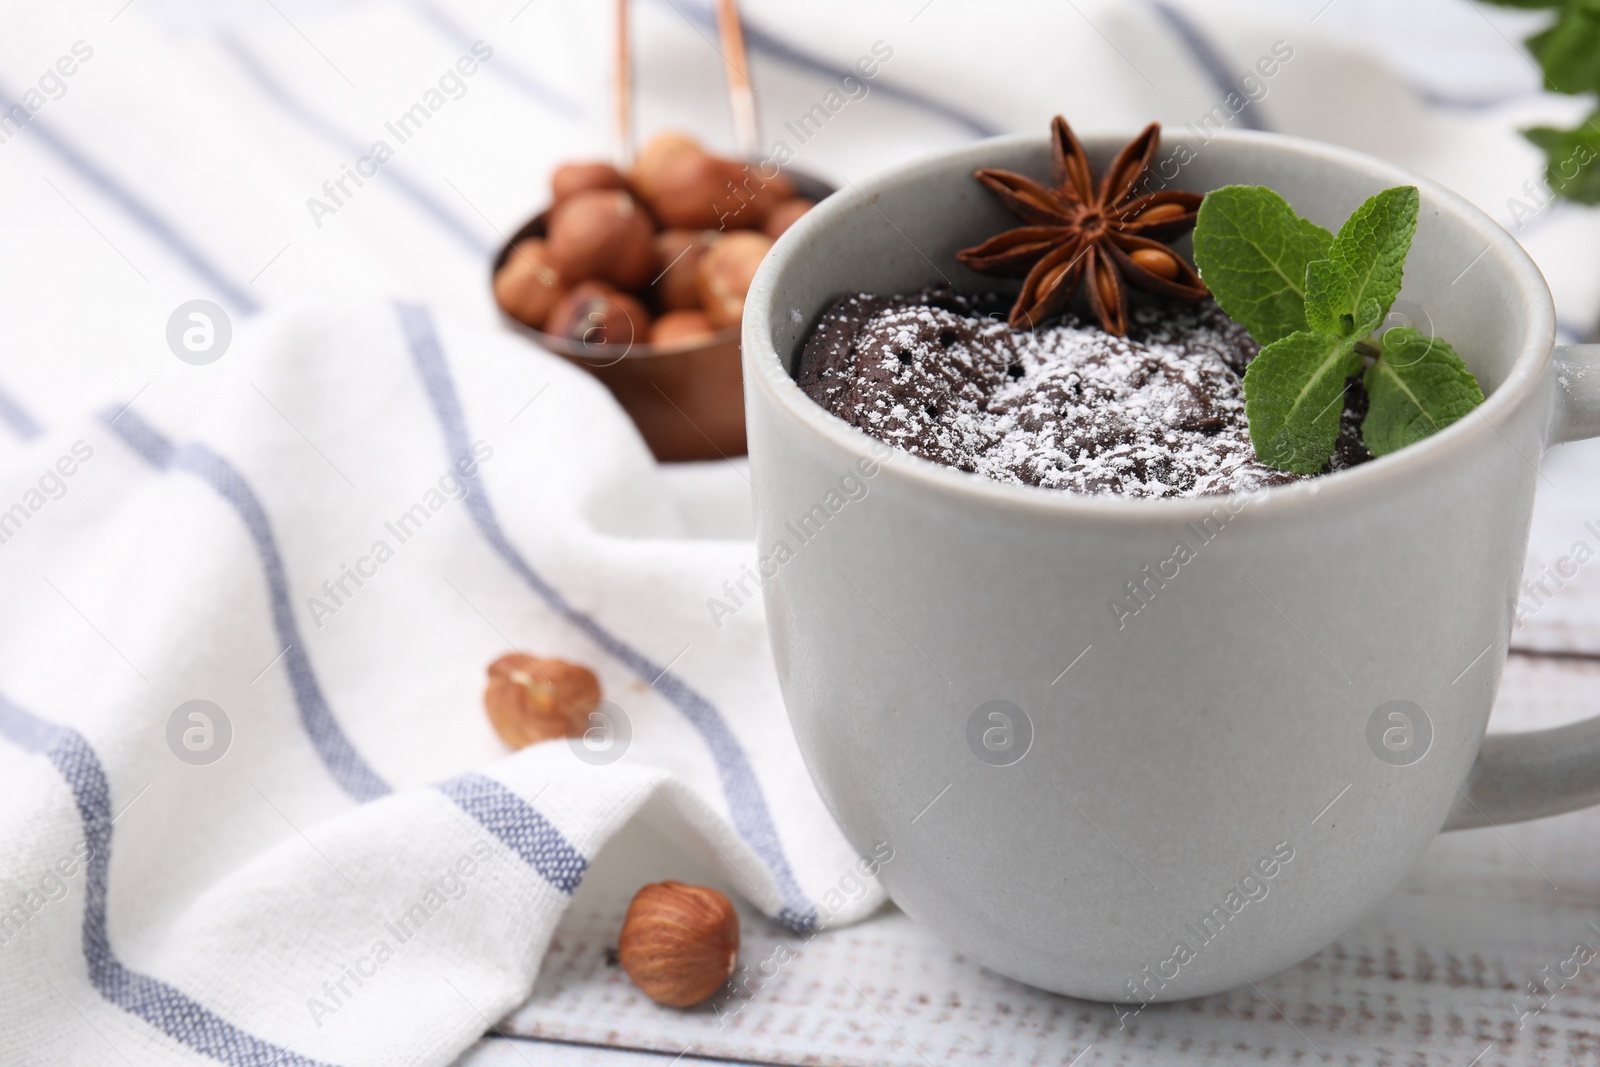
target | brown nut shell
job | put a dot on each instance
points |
(572, 178)
(748, 196)
(593, 313)
(530, 699)
(690, 192)
(680, 329)
(784, 214)
(709, 192)
(679, 942)
(725, 273)
(527, 285)
(657, 153)
(757, 194)
(602, 234)
(678, 253)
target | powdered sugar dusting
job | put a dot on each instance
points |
(1157, 414)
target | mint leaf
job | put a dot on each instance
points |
(1417, 387)
(1351, 291)
(1313, 300)
(1570, 156)
(1330, 287)
(1252, 251)
(1569, 51)
(1294, 397)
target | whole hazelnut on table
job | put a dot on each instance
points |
(725, 273)
(678, 253)
(530, 699)
(527, 284)
(572, 178)
(593, 313)
(679, 942)
(785, 214)
(602, 234)
(682, 328)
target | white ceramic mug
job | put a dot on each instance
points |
(1211, 783)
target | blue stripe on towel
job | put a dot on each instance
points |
(747, 805)
(164, 1007)
(1210, 60)
(1446, 101)
(17, 418)
(766, 43)
(352, 773)
(507, 816)
(521, 826)
(147, 217)
(518, 78)
(275, 91)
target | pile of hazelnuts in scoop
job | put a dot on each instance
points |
(661, 255)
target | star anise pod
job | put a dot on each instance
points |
(1113, 235)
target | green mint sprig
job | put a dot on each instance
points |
(1568, 52)
(1313, 299)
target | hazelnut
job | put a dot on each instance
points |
(531, 699)
(691, 191)
(678, 252)
(709, 192)
(680, 329)
(602, 233)
(657, 152)
(725, 272)
(593, 313)
(527, 284)
(784, 214)
(679, 942)
(779, 187)
(749, 196)
(572, 178)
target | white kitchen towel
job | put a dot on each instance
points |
(333, 858)
(365, 876)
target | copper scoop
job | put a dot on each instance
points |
(687, 400)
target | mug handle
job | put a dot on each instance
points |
(1543, 772)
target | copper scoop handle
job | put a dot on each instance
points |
(741, 94)
(622, 92)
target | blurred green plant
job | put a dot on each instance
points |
(1568, 52)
